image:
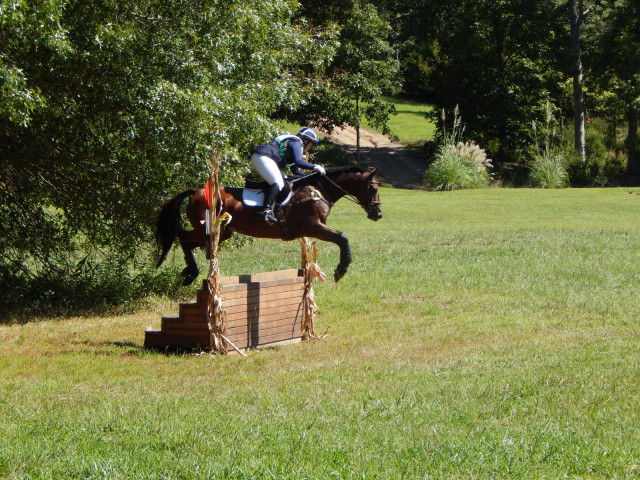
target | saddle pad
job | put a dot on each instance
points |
(252, 197)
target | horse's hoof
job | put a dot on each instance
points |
(188, 280)
(339, 273)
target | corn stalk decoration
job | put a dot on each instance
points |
(311, 272)
(216, 314)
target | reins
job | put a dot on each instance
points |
(351, 197)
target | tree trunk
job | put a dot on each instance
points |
(576, 17)
(358, 131)
(633, 162)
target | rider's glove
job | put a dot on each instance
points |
(319, 169)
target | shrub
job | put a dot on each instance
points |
(547, 171)
(547, 168)
(603, 170)
(113, 284)
(457, 164)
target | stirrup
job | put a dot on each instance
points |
(268, 217)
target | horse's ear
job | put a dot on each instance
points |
(372, 171)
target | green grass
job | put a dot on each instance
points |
(410, 124)
(477, 334)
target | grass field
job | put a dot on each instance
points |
(478, 334)
(410, 124)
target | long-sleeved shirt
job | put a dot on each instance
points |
(286, 151)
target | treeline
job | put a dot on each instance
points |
(108, 106)
(510, 65)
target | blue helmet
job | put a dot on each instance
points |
(308, 134)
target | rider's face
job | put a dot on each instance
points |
(307, 145)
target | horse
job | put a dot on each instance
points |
(305, 215)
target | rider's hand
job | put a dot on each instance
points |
(319, 169)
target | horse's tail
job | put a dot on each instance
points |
(168, 224)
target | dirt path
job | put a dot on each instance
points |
(397, 165)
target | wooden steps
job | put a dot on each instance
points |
(262, 309)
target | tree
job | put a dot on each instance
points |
(618, 61)
(106, 105)
(497, 60)
(576, 18)
(362, 67)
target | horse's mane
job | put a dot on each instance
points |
(349, 169)
(332, 172)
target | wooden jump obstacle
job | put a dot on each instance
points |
(261, 309)
(245, 311)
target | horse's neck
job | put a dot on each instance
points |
(334, 188)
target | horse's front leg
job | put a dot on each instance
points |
(345, 257)
(328, 234)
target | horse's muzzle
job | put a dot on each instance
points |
(373, 211)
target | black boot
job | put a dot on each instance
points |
(267, 212)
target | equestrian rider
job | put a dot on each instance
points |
(285, 151)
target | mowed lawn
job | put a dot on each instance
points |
(478, 334)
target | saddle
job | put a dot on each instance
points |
(254, 193)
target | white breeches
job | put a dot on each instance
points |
(267, 169)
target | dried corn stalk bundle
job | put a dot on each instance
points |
(311, 272)
(216, 314)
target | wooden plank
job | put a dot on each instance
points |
(283, 314)
(193, 319)
(263, 276)
(253, 289)
(247, 282)
(264, 330)
(280, 317)
(266, 322)
(170, 325)
(183, 329)
(264, 297)
(191, 309)
(238, 316)
(265, 340)
(160, 341)
(264, 307)
(193, 315)
(257, 277)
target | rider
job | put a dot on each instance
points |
(285, 151)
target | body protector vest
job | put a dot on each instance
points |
(282, 142)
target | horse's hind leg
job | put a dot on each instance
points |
(191, 271)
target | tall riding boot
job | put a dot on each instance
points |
(267, 212)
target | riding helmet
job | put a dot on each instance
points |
(308, 134)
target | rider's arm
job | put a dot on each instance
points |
(295, 149)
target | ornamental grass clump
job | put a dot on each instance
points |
(547, 170)
(457, 164)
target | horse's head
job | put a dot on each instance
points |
(359, 184)
(370, 201)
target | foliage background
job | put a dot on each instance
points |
(106, 109)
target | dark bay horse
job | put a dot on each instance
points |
(304, 216)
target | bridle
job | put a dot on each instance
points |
(372, 207)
